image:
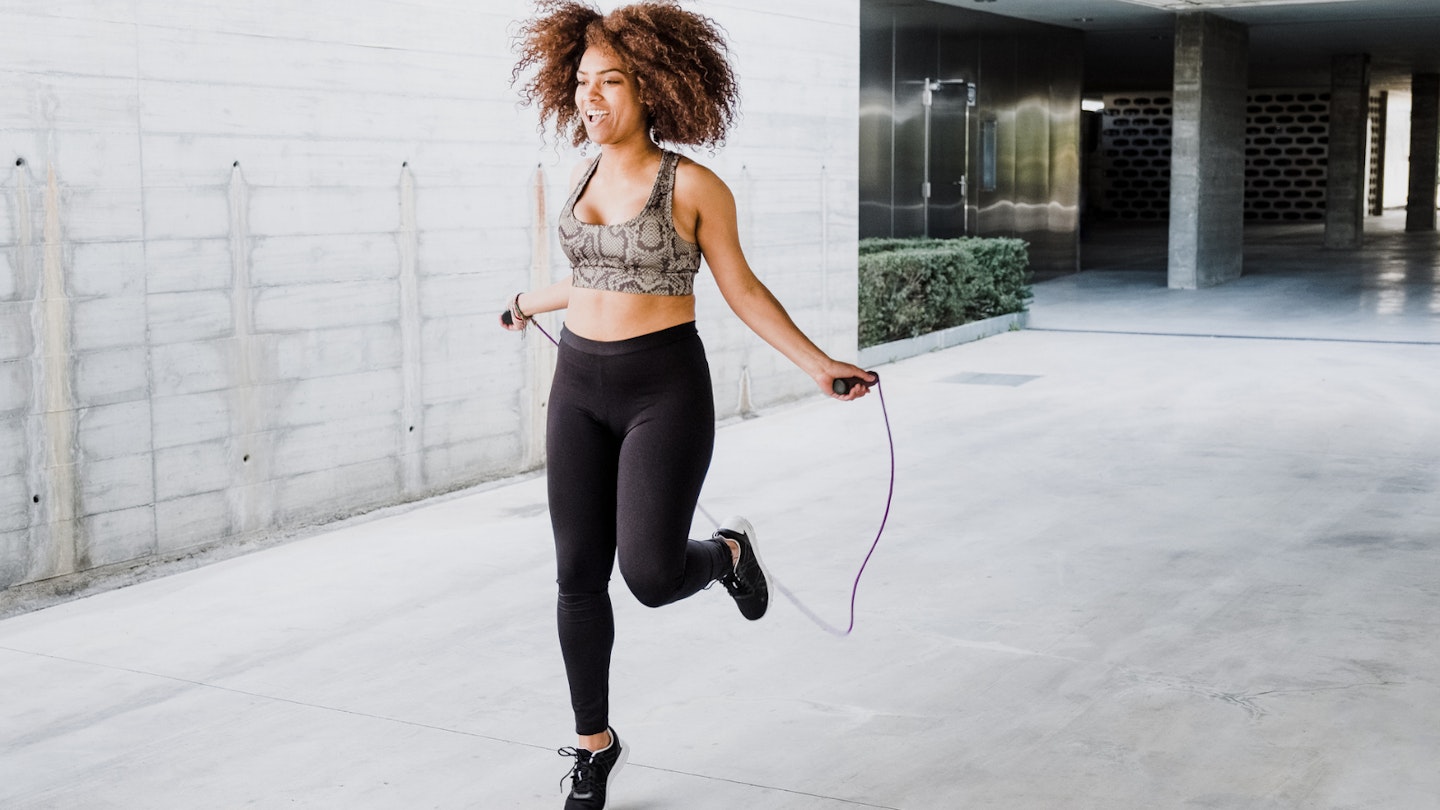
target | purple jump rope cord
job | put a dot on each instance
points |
(855, 588)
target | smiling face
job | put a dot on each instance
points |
(608, 98)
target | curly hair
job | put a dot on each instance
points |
(679, 59)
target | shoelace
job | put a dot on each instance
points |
(735, 585)
(580, 774)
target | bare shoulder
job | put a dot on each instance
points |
(698, 183)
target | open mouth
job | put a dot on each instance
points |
(595, 116)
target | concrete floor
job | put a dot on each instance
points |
(1124, 569)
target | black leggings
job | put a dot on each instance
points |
(631, 429)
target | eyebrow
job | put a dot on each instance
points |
(606, 70)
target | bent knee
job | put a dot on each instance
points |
(652, 592)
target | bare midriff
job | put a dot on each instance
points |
(605, 315)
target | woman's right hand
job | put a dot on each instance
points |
(513, 318)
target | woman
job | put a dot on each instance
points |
(631, 420)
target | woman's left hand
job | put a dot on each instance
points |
(836, 370)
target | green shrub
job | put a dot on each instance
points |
(910, 287)
(884, 245)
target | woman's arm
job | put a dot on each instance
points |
(546, 299)
(526, 304)
(717, 232)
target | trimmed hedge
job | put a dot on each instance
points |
(910, 287)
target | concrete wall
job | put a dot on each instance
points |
(251, 255)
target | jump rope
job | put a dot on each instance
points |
(842, 387)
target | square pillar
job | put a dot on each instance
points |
(1345, 201)
(1424, 151)
(1207, 174)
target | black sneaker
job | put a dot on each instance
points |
(747, 582)
(593, 773)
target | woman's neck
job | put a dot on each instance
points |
(633, 154)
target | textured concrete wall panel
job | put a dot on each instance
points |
(113, 484)
(184, 317)
(192, 469)
(188, 521)
(9, 275)
(191, 419)
(332, 492)
(60, 105)
(16, 340)
(316, 259)
(185, 265)
(108, 269)
(190, 367)
(101, 46)
(302, 307)
(110, 376)
(114, 431)
(117, 536)
(15, 399)
(176, 212)
(107, 323)
(328, 352)
(14, 505)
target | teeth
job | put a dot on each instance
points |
(595, 115)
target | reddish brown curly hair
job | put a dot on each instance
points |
(678, 57)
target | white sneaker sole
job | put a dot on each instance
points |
(614, 771)
(619, 764)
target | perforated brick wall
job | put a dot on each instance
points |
(1287, 138)
(1379, 104)
(1286, 155)
(1135, 157)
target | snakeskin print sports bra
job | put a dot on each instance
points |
(642, 255)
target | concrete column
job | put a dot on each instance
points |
(1424, 150)
(1207, 178)
(1349, 129)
